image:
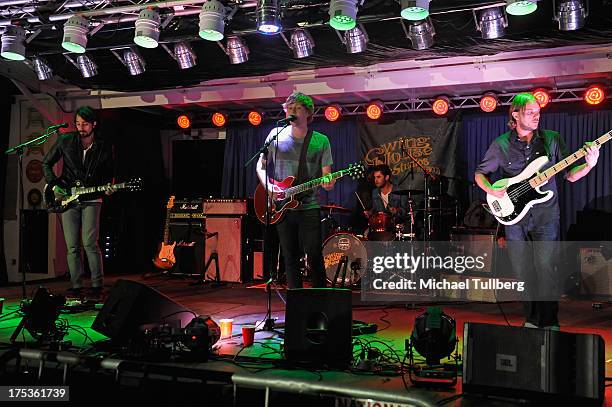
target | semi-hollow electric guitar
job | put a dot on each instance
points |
(523, 191)
(286, 197)
(165, 258)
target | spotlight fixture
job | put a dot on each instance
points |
(40, 318)
(268, 17)
(414, 10)
(146, 33)
(594, 95)
(343, 14)
(42, 69)
(302, 43)
(87, 67)
(255, 118)
(184, 55)
(491, 22)
(183, 121)
(488, 102)
(542, 96)
(219, 119)
(332, 113)
(237, 50)
(134, 62)
(421, 34)
(570, 14)
(13, 43)
(441, 105)
(375, 109)
(75, 34)
(521, 7)
(212, 21)
(356, 40)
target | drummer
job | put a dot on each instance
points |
(382, 198)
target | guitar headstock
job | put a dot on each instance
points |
(134, 184)
(170, 204)
(356, 170)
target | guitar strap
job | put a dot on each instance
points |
(302, 172)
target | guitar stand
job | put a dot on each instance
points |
(216, 282)
(342, 265)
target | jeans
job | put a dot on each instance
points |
(533, 260)
(81, 223)
(300, 232)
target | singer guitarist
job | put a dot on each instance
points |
(510, 153)
(300, 230)
(88, 159)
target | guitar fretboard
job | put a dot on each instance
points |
(89, 190)
(289, 192)
(566, 162)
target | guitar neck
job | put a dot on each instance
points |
(167, 227)
(100, 188)
(314, 183)
(566, 162)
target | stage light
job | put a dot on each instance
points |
(433, 335)
(594, 95)
(134, 62)
(375, 110)
(255, 118)
(356, 40)
(488, 102)
(542, 96)
(441, 105)
(75, 34)
(219, 119)
(237, 50)
(332, 113)
(414, 10)
(421, 34)
(570, 14)
(13, 43)
(42, 69)
(492, 23)
(146, 33)
(302, 43)
(212, 21)
(343, 14)
(87, 67)
(184, 55)
(40, 316)
(183, 121)
(521, 7)
(268, 17)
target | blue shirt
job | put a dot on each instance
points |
(396, 201)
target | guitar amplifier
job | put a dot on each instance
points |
(474, 242)
(228, 243)
(225, 206)
(183, 208)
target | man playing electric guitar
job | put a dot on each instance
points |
(511, 153)
(300, 229)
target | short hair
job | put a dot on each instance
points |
(384, 168)
(304, 100)
(518, 105)
(87, 113)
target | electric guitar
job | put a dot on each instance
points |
(523, 191)
(56, 202)
(286, 197)
(165, 258)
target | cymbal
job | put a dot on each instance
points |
(335, 208)
(407, 192)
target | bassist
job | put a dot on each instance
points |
(300, 230)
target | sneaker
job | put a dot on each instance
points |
(529, 325)
(552, 328)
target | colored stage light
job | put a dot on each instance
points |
(343, 14)
(441, 105)
(542, 96)
(268, 15)
(219, 119)
(146, 32)
(488, 102)
(594, 95)
(332, 113)
(183, 121)
(255, 118)
(375, 110)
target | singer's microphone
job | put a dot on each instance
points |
(287, 120)
(58, 126)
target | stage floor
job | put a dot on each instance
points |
(246, 304)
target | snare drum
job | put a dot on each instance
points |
(344, 244)
(380, 222)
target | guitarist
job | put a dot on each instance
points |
(511, 153)
(300, 230)
(87, 159)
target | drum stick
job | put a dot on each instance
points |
(359, 199)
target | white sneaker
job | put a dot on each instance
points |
(529, 325)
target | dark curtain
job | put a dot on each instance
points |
(576, 127)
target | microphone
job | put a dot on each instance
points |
(58, 126)
(287, 120)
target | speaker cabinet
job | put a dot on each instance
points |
(35, 240)
(189, 250)
(131, 306)
(533, 363)
(474, 242)
(228, 245)
(318, 326)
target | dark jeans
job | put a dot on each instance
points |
(533, 260)
(300, 232)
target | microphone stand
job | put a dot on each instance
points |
(19, 149)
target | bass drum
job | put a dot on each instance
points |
(335, 248)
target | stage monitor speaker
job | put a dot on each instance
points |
(131, 306)
(533, 363)
(229, 247)
(318, 326)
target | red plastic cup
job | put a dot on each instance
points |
(248, 335)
